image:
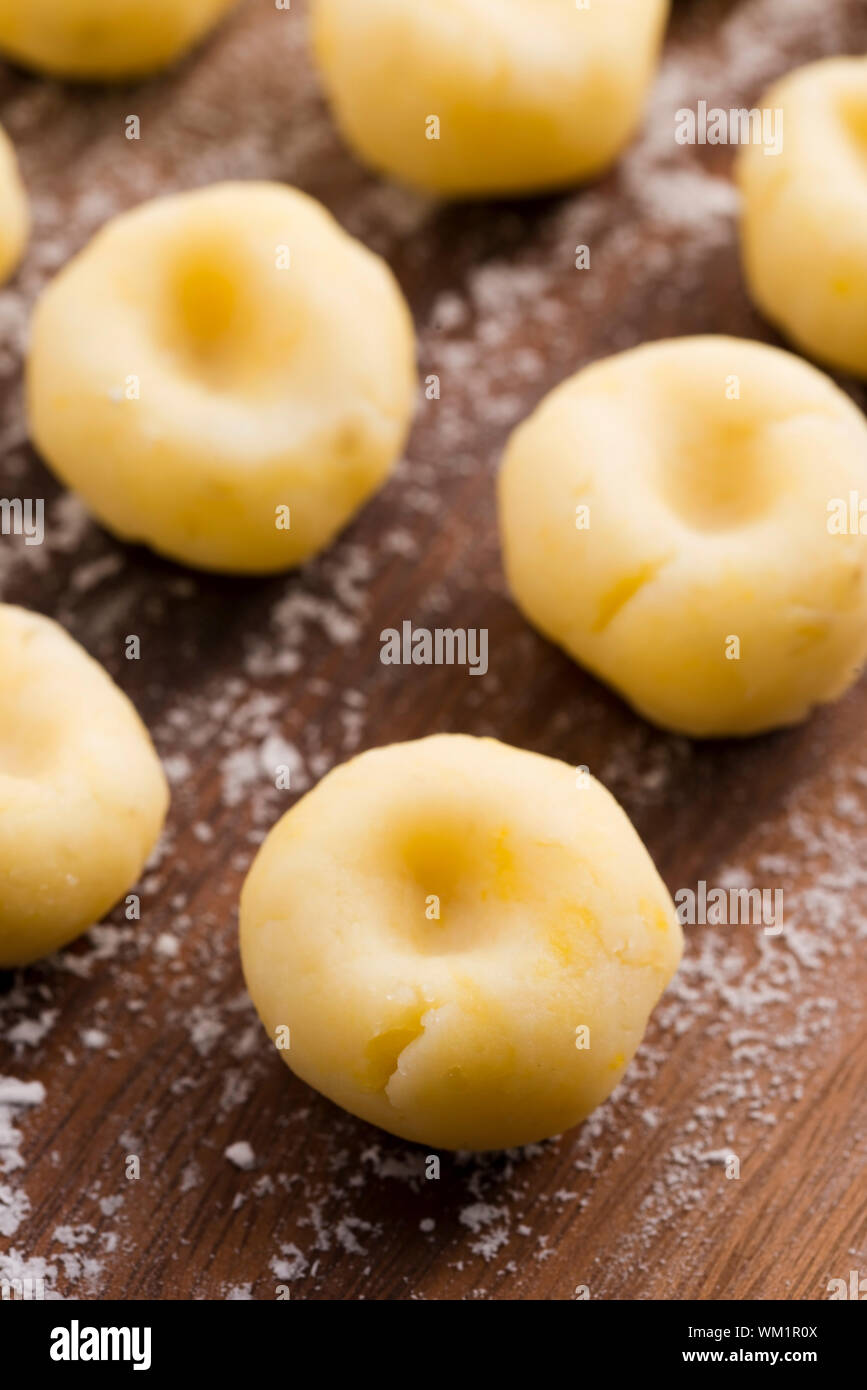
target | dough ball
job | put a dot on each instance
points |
(436, 922)
(666, 518)
(14, 213)
(82, 793)
(804, 223)
(469, 97)
(224, 375)
(103, 39)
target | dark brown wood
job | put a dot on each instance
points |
(760, 1046)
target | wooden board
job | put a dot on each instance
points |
(142, 1034)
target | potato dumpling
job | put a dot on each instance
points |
(804, 222)
(482, 97)
(667, 517)
(224, 375)
(82, 792)
(14, 213)
(458, 941)
(103, 39)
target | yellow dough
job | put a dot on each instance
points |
(14, 214)
(665, 518)
(224, 375)
(82, 793)
(103, 39)
(528, 94)
(804, 224)
(436, 922)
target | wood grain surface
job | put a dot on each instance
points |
(142, 1034)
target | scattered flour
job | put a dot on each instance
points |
(498, 332)
(241, 1155)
